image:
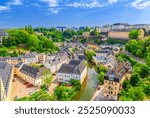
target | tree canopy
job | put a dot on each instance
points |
(134, 34)
(27, 38)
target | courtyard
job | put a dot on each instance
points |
(21, 88)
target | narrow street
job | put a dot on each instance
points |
(136, 58)
(98, 96)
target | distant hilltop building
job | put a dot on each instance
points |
(123, 34)
(121, 26)
(125, 27)
(2, 35)
(119, 34)
(141, 26)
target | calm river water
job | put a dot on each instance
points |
(88, 87)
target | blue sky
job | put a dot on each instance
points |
(47, 13)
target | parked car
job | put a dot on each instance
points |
(98, 88)
(31, 93)
(29, 85)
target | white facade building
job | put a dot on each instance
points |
(76, 70)
(31, 58)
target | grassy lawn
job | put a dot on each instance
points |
(37, 65)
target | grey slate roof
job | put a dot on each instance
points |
(5, 73)
(30, 71)
(18, 65)
(118, 72)
(108, 51)
(29, 55)
(58, 58)
(74, 67)
(4, 58)
(80, 57)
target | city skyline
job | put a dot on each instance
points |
(18, 13)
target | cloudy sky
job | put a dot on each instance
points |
(47, 13)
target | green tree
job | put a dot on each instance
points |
(90, 54)
(101, 78)
(87, 29)
(97, 41)
(101, 68)
(147, 89)
(29, 29)
(134, 34)
(135, 78)
(64, 94)
(95, 33)
(76, 84)
(48, 44)
(16, 37)
(83, 40)
(136, 94)
(33, 42)
(80, 32)
(69, 34)
(139, 53)
(143, 70)
(47, 78)
(133, 94)
(126, 85)
(3, 51)
(57, 36)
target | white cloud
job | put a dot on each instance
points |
(4, 8)
(35, 4)
(51, 3)
(92, 4)
(55, 6)
(54, 10)
(8, 5)
(112, 1)
(15, 2)
(141, 4)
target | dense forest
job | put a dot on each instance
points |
(58, 36)
(25, 39)
(140, 48)
(138, 87)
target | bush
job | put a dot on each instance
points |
(135, 78)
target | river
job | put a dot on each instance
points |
(88, 86)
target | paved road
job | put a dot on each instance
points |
(98, 96)
(136, 58)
